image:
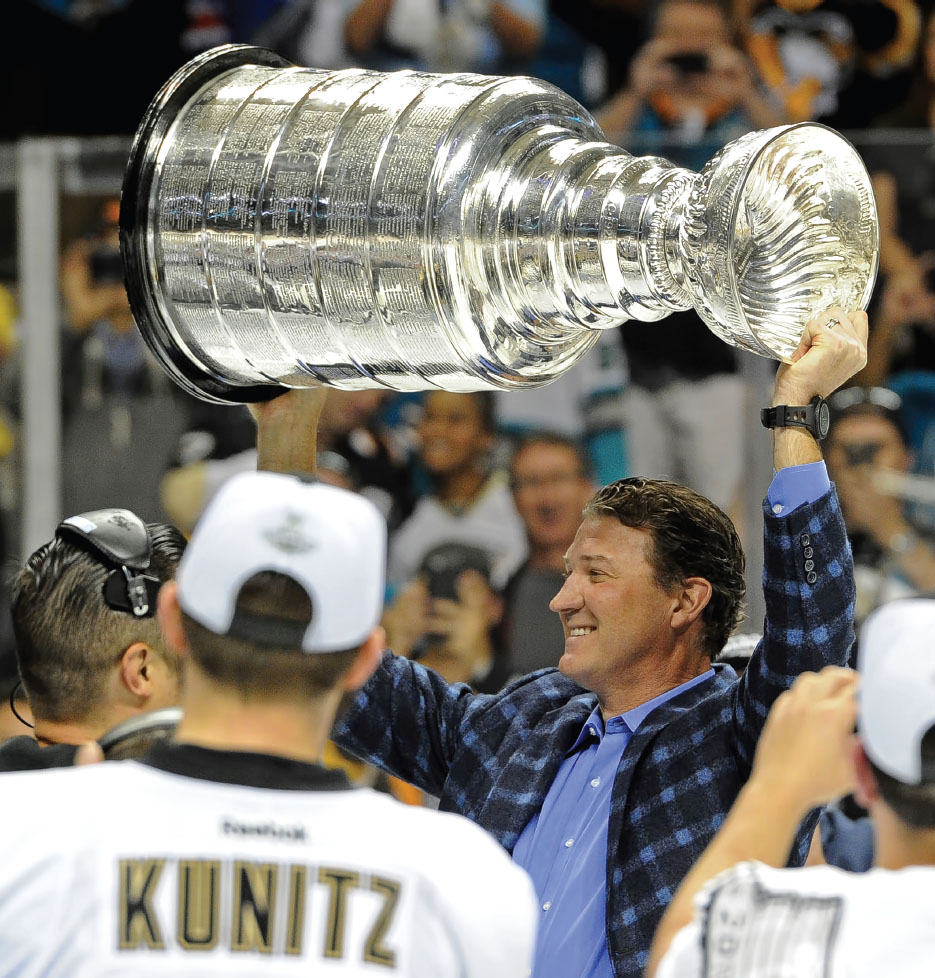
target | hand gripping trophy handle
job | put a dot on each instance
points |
(288, 227)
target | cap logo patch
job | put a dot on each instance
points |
(119, 520)
(288, 537)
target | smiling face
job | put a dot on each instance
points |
(617, 621)
(453, 433)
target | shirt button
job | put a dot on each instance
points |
(595, 782)
(808, 552)
(811, 577)
(777, 508)
(569, 843)
(809, 565)
(592, 731)
(547, 904)
(805, 540)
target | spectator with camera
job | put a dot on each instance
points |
(478, 636)
(446, 618)
(870, 463)
(691, 88)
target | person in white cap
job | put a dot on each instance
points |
(231, 851)
(758, 921)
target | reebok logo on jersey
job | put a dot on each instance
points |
(265, 830)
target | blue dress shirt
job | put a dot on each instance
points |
(564, 846)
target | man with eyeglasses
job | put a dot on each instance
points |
(90, 652)
(552, 482)
(869, 460)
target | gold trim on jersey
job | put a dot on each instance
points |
(199, 911)
(375, 951)
(254, 906)
(138, 922)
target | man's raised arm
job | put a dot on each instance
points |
(808, 580)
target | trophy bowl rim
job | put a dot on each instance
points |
(772, 135)
(174, 95)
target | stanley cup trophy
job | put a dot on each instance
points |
(288, 227)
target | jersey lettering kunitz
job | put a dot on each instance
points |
(126, 869)
(758, 922)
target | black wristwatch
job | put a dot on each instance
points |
(814, 417)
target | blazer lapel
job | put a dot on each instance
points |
(525, 779)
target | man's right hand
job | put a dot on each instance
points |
(287, 430)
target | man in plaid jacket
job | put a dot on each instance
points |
(607, 778)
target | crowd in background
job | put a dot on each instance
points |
(483, 493)
(492, 483)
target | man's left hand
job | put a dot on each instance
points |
(833, 348)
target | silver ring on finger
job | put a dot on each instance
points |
(831, 323)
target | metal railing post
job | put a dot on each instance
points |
(37, 231)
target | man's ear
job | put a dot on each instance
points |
(134, 669)
(691, 597)
(170, 617)
(366, 661)
(867, 791)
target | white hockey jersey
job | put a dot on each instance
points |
(758, 922)
(129, 869)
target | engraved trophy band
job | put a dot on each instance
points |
(289, 227)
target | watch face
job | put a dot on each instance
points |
(822, 419)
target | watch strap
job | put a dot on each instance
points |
(794, 416)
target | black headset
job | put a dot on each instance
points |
(119, 540)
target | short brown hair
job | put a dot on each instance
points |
(67, 637)
(691, 537)
(914, 804)
(267, 670)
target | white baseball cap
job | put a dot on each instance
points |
(897, 687)
(330, 541)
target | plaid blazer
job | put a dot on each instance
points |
(493, 758)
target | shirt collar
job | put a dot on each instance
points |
(243, 768)
(629, 721)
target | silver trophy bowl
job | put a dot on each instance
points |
(288, 227)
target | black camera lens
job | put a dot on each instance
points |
(690, 62)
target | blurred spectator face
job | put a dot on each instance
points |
(865, 440)
(692, 27)
(550, 491)
(453, 433)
